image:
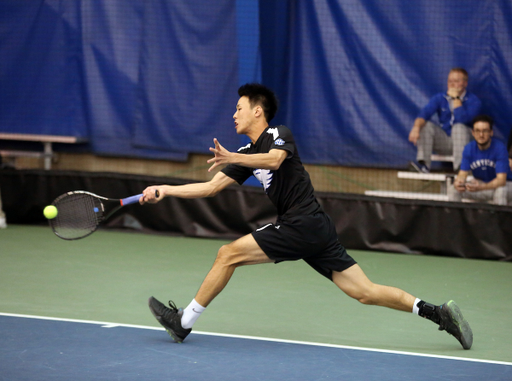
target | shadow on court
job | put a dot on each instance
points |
(33, 348)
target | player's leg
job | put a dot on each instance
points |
(356, 284)
(179, 322)
(243, 251)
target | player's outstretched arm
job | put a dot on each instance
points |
(195, 190)
(271, 160)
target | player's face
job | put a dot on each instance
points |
(244, 116)
(482, 133)
(457, 81)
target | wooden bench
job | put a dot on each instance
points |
(445, 158)
(408, 195)
(445, 179)
(46, 140)
(412, 195)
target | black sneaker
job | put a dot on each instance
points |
(453, 322)
(169, 318)
(419, 167)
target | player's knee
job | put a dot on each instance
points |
(226, 256)
(366, 299)
(364, 296)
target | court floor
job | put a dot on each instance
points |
(108, 277)
(50, 349)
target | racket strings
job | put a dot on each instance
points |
(78, 215)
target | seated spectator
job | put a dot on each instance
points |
(455, 109)
(487, 159)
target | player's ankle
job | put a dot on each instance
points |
(426, 310)
(191, 314)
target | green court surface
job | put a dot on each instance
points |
(110, 275)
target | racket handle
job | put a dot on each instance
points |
(131, 199)
(136, 198)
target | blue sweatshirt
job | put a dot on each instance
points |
(440, 104)
(485, 164)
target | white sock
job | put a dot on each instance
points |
(191, 314)
(415, 309)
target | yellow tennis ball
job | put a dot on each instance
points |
(50, 212)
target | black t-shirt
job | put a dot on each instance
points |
(289, 188)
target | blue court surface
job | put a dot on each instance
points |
(38, 348)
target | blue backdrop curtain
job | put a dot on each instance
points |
(358, 72)
(41, 68)
(158, 78)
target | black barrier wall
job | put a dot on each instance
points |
(367, 223)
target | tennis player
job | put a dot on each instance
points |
(302, 230)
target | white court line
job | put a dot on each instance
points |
(113, 325)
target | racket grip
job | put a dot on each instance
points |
(131, 199)
(136, 198)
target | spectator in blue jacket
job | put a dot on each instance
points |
(487, 159)
(448, 135)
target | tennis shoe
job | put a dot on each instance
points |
(169, 318)
(452, 321)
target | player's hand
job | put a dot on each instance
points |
(152, 195)
(222, 155)
(414, 135)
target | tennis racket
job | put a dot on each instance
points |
(80, 213)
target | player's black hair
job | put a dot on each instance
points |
(260, 95)
(483, 118)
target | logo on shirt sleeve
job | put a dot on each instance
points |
(279, 142)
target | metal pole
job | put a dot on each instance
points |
(47, 155)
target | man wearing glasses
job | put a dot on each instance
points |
(487, 159)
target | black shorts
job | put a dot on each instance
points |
(312, 238)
